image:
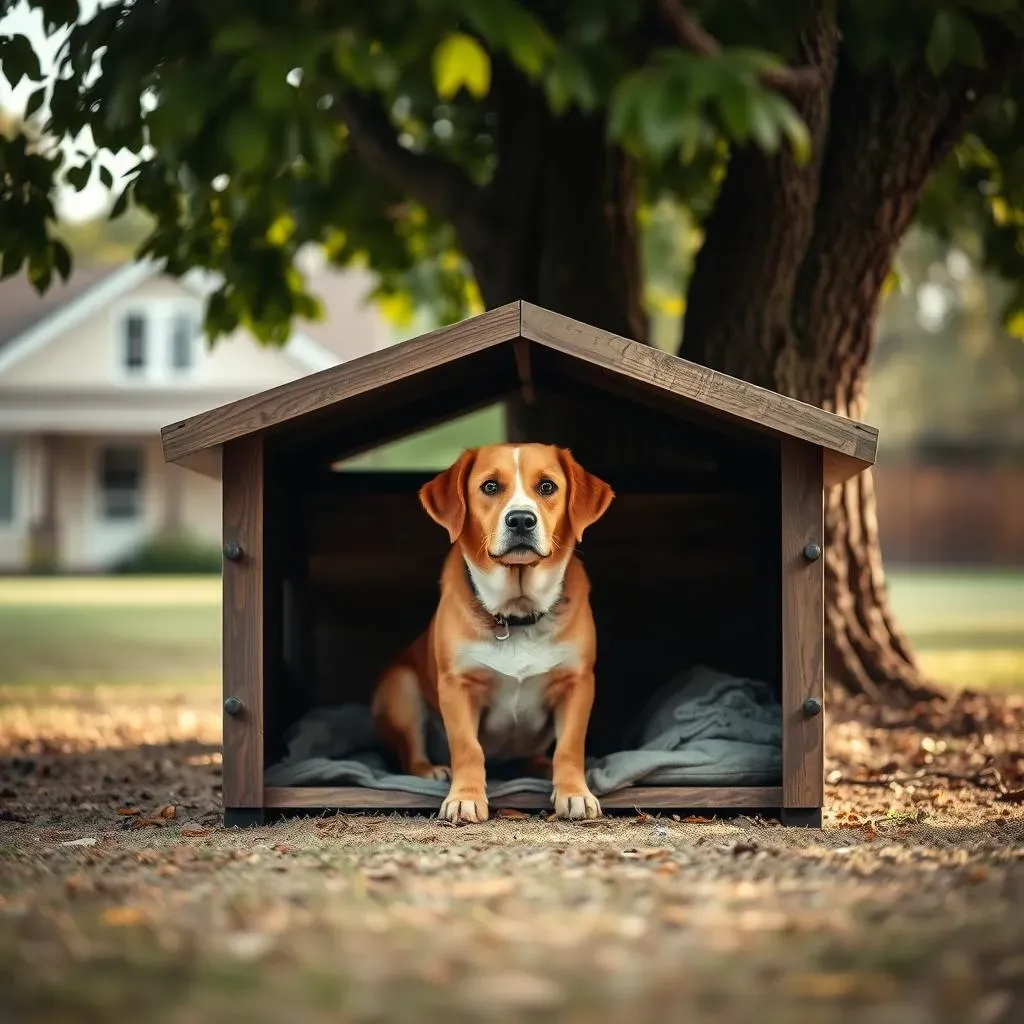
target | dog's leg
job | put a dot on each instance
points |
(400, 715)
(460, 698)
(572, 796)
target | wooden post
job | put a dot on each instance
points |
(243, 641)
(802, 596)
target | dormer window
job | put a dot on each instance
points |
(133, 344)
(183, 342)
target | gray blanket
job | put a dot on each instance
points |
(704, 728)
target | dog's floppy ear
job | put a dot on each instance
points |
(444, 497)
(589, 496)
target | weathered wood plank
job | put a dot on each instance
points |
(802, 597)
(318, 391)
(850, 446)
(642, 797)
(243, 617)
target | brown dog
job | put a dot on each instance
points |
(508, 658)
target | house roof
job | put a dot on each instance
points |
(488, 355)
(29, 322)
(22, 307)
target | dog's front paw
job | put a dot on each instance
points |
(426, 770)
(576, 802)
(464, 805)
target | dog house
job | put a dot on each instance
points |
(707, 566)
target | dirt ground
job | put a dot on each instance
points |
(122, 899)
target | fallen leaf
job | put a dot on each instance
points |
(675, 914)
(79, 842)
(76, 884)
(194, 831)
(148, 823)
(121, 917)
(482, 888)
(696, 819)
(128, 812)
(1015, 796)
(511, 813)
(285, 848)
(170, 811)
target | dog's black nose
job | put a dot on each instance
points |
(520, 520)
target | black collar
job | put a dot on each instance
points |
(505, 622)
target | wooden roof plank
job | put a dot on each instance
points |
(853, 443)
(849, 446)
(319, 391)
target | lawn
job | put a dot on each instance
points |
(968, 629)
(121, 898)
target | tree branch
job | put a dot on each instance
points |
(792, 82)
(443, 187)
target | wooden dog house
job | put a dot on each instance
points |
(711, 552)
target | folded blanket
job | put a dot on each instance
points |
(703, 728)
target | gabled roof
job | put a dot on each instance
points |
(491, 354)
(29, 322)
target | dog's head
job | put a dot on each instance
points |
(515, 504)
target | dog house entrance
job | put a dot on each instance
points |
(685, 576)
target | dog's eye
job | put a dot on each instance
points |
(546, 488)
(490, 487)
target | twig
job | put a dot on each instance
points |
(975, 779)
(792, 82)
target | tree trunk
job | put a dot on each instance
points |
(569, 243)
(796, 312)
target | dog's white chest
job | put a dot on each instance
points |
(517, 721)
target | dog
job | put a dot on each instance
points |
(507, 660)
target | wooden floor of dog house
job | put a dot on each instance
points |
(751, 798)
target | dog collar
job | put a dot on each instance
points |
(503, 624)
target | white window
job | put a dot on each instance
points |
(7, 471)
(120, 483)
(184, 332)
(133, 344)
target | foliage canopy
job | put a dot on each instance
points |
(371, 128)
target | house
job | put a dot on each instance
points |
(709, 556)
(89, 373)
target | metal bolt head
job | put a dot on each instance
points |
(812, 707)
(232, 705)
(232, 551)
(812, 551)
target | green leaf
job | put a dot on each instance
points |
(507, 26)
(953, 38)
(35, 101)
(18, 60)
(764, 125)
(61, 259)
(78, 177)
(239, 36)
(459, 60)
(246, 141)
(120, 204)
(736, 108)
(792, 125)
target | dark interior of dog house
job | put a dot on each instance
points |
(684, 566)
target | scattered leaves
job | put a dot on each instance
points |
(122, 917)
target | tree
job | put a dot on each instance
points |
(804, 136)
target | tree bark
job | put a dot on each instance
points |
(566, 205)
(795, 307)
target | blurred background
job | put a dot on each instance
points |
(109, 558)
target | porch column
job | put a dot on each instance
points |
(173, 501)
(44, 533)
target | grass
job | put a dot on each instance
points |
(967, 628)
